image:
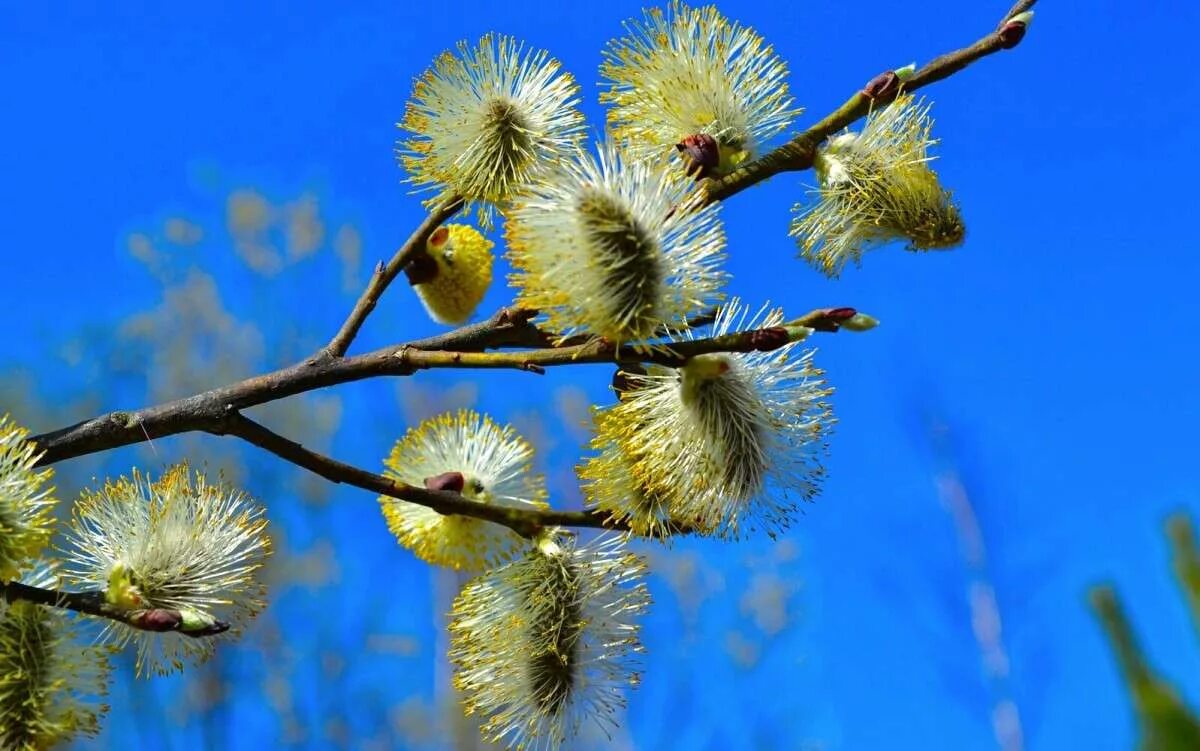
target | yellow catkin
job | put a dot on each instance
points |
(496, 468)
(615, 248)
(26, 501)
(877, 187)
(548, 643)
(52, 683)
(488, 121)
(178, 543)
(723, 446)
(464, 261)
(689, 71)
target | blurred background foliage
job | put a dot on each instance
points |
(1164, 721)
(330, 656)
(196, 194)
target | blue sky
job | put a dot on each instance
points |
(1059, 341)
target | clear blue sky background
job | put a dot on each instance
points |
(1059, 342)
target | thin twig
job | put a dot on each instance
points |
(383, 276)
(525, 522)
(798, 153)
(94, 603)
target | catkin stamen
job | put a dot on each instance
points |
(629, 258)
(553, 669)
(506, 129)
(733, 418)
(24, 670)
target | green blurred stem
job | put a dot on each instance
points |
(1185, 559)
(1164, 721)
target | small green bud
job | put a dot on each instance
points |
(195, 620)
(798, 333)
(860, 322)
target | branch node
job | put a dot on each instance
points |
(603, 347)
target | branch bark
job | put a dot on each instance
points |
(207, 411)
(797, 154)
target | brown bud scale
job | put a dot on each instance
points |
(703, 152)
(451, 481)
(158, 619)
(883, 87)
(421, 269)
(765, 340)
(1011, 34)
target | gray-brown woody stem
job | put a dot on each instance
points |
(218, 411)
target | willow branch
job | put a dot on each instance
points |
(599, 350)
(798, 153)
(94, 603)
(508, 327)
(205, 412)
(383, 276)
(525, 522)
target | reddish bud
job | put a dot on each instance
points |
(831, 319)
(765, 340)
(702, 152)
(1011, 34)
(451, 481)
(604, 346)
(883, 86)
(439, 236)
(158, 619)
(421, 269)
(840, 314)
